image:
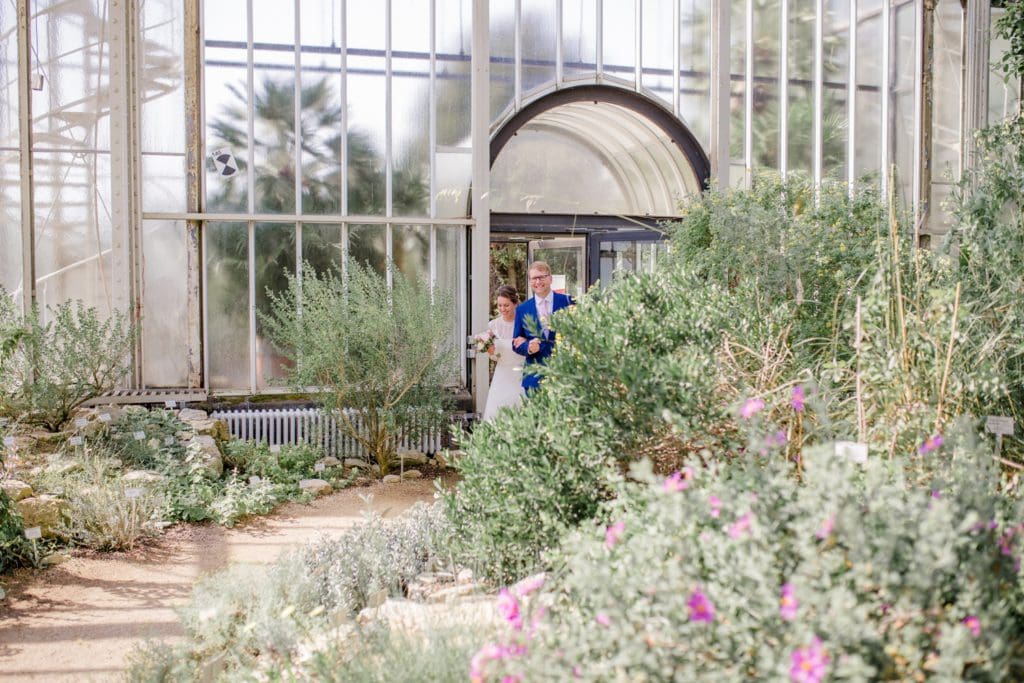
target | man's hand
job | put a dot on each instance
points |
(534, 346)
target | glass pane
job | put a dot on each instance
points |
(765, 124)
(579, 38)
(502, 24)
(322, 247)
(321, 108)
(566, 258)
(869, 83)
(163, 182)
(10, 221)
(835, 119)
(227, 304)
(411, 247)
(800, 126)
(410, 182)
(163, 105)
(226, 105)
(451, 249)
(618, 26)
(1004, 97)
(274, 105)
(902, 111)
(694, 65)
(8, 76)
(367, 244)
(453, 26)
(538, 43)
(364, 25)
(657, 45)
(617, 258)
(454, 172)
(275, 262)
(164, 304)
(366, 127)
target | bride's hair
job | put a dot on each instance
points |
(509, 292)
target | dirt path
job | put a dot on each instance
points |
(77, 621)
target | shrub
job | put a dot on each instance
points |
(744, 572)
(48, 370)
(382, 351)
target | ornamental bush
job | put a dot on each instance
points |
(743, 572)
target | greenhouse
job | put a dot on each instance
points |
(149, 148)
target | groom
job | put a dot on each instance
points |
(533, 316)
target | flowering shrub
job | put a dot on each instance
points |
(749, 573)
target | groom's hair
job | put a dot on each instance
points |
(541, 266)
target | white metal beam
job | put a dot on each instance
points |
(720, 91)
(28, 237)
(480, 85)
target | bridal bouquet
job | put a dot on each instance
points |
(484, 341)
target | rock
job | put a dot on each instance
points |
(218, 429)
(62, 468)
(92, 429)
(89, 414)
(54, 559)
(143, 477)
(451, 593)
(391, 478)
(113, 411)
(45, 439)
(415, 617)
(331, 461)
(413, 458)
(204, 448)
(191, 415)
(318, 487)
(356, 462)
(134, 410)
(464, 575)
(448, 458)
(16, 490)
(412, 474)
(184, 436)
(46, 512)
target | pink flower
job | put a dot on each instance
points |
(788, 604)
(797, 401)
(603, 619)
(512, 678)
(715, 504)
(751, 407)
(808, 664)
(508, 608)
(612, 534)
(741, 525)
(485, 654)
(973, 624)
(701, 608)
(577, 672)
(529, 585)
(678, 481)
(936, 494)
(932, 443)
(826, 528)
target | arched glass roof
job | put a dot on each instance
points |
(591, 158)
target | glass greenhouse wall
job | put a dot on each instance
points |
(180, 158)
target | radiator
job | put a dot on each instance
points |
(288, 426)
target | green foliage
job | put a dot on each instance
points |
(250, 617)
(14, 549)
(48, 370)
(790, 250)
(1010, 27)
(888, 574)
(382, 351)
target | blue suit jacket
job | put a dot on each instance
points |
(528, 311)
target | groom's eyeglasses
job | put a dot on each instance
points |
(538, 278)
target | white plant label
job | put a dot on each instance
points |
(132, 493)
(999, 424)
(9, 441)
(170, 404)
(852, 451)
(32, 533)
(76, 441)
(319, 467)
(276, 448)
(105, 417)
(139, 436)
(81, 422)
(254, 481)
(168, 440)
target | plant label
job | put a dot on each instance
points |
(852, 451)
(132, 493)
(168, 440)
(276, 448)
(9, 441)
(170, 404)
(999, 424)
(104, 417)
(254, 481)
(81, 422)
(319, 467)
(32, 533)
(139, 436)
(76, 441)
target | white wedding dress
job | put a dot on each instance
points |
(507, 383)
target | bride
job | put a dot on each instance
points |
(506, 385)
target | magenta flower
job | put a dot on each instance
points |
(808, 664)
(741, 525)
(797, 401)
(751, 407)
(512, 678)
(932, 443)
(701, 608)
(508, 608)
(678, 481)
(603, 619)
(485, 654)
(936, 494)
(529, 585)
(612, 534)
(826, 528)
(973, 624)
(715, 503)
(788, 604)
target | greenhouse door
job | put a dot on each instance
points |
(567, 258)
